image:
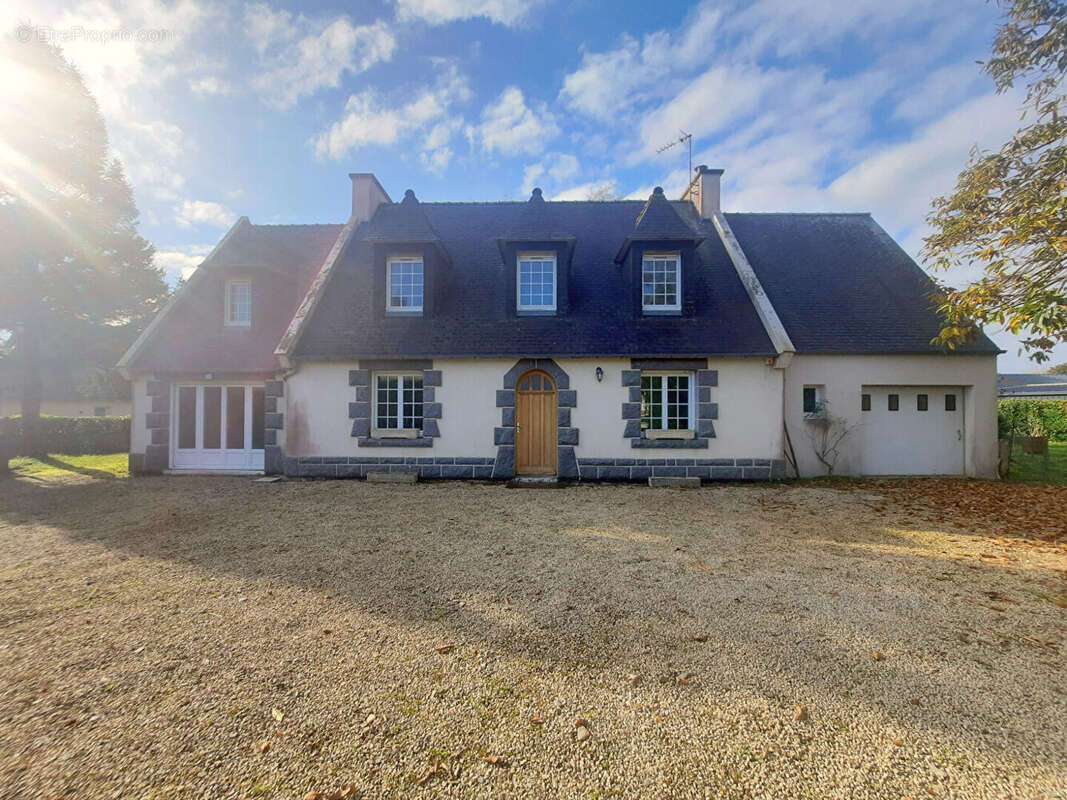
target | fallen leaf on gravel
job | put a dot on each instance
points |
(914, 701)
(580, 722)
(263, 746)
(496, 761)
(898, 742)
(313, 795)
(877, 656)
(277, 714)
(633, 679)
(446, 648)
(538, 720)
(801, 714)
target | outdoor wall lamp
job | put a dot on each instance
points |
(599, 374)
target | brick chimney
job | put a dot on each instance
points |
(704, 191)
(367, 195)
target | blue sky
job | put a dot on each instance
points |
(261, 109)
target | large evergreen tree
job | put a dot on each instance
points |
(74, 272)
(1009, 210)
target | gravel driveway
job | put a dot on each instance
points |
(215, 637)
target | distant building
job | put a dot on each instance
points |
(1026, 385)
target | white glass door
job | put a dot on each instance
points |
(217, 426)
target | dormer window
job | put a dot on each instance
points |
(239, 303)
(536, 282)
(661, 282)
(404, 287)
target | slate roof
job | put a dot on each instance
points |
(841, 284)
(538, 222)
(470, 317)
(281, 261)
(401, 222)
(1029, 385)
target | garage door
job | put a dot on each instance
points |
(912, 430)
(217, 426)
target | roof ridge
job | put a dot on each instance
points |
(297, 224)
(802, 213)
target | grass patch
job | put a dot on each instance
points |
(1026, 468)
(57, 465)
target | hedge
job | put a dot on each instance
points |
(75, 435)
(1033, 417)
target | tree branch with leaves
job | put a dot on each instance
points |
(1008, 212)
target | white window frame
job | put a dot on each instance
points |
(229, 318)
(677, 259)
(673, 433)
(402, 431)
(528, 257)
(398, 259)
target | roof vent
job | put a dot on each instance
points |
(536, 196)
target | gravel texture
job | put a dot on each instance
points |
(215, 637)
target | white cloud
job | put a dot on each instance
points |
(511, 127)
(616, 80)
(203, 212)
(368, 120)
(438, 12)
(594, 190)
(300, 56)
(210, 85)
(183, 260)
(938, 91)
(557, 167)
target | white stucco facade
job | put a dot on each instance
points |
(841, 381)
(748, 394)
(757, 402)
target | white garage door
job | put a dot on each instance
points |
(912, 430)
(217, 426)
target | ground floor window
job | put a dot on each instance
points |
(398, 402)
(666, 402)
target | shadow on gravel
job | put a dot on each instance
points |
(782, 590)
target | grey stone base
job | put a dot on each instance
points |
(591, 469)
(360, 466)
(707, 469)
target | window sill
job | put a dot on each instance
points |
(241, 325)
(422, 441)
(399, 313)
(686, 433)
(536, 312)
(395, 433)
(661, 312)
(665, 444)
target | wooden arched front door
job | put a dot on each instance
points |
(535, 424)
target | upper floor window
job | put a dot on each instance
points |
(666, 402)
(403, 292)
(661, 282)
(238, 302)
(536, 282)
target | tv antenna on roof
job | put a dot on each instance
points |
(682, 139)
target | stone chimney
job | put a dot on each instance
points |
(367, 195)
(704, 191)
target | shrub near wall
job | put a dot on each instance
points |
(1033, 417)
(75, 435)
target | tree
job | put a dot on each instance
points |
(74, 272)
(1008, 212)
(1059, 369)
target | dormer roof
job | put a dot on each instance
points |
(537, 222)
(659, 222)
(401, 223)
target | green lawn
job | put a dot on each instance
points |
(1032, 468)
(111, 465)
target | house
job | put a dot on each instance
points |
(1042, 387)
(586, 340)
